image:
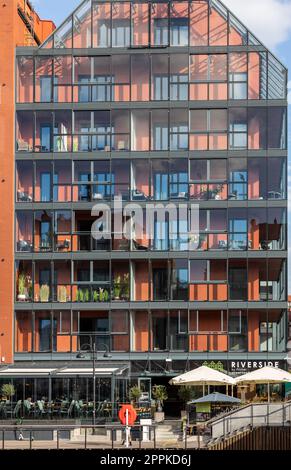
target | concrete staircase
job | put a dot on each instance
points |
(169, 432)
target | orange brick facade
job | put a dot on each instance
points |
(20, 26)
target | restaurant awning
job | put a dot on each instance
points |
(11, 372)
(203, 376)
(216, 398)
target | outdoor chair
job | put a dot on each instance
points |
(40, 408)
(3, 413)
(27, 408)
(63, 410)
(70, 411)
(17, 412)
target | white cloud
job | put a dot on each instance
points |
(269, 20)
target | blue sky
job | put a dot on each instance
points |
(269, 20)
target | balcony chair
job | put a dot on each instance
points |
(24, 245)
(23, 146)
(22, 196)
(138, 195)
(138, 246)
(63, 245)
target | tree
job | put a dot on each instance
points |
(186, 393)
(160, 394)
(134, 393)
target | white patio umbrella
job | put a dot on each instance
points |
(266, 375)
(203, 376)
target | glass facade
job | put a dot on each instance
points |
(134, 102)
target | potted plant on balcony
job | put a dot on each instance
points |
(125, 287)
(134, 395)
(101, 295)
(117, 288)
(22, 289)
(106, 295)
(44, 293)
(80, 295)
(95, 296)
(86, 295)
(160, 394)
(62, 294)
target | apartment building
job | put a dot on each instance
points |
(147, 103)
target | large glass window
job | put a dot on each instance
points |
(140, 24)
(238, 128)
(24, 181)
(43, 79)
(208, 77)
(179, 280)
(140, 129)
(238, 76)
(178, 129)
(276, 178)
(25, 83)
(101, 24)
(140, 86)
(238, 179)
(179, 23)
(160, 129)
(208, 129)
(121, 24)
(160, 77)
(24, 231)
(159, 24)
(277, 128)
(179, 77)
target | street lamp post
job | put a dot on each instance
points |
(93, 351)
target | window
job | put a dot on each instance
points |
(46, 335)
(84, 90)
(45, 235)
(238, 85)
(208, 77)
(45, 89)
(179, 130)
(160, 31)
(45, 187)
(238, 76)
(160, 179)
(179, 77)
(238, 128)
(179, 31)
(120, 33)
(238, 179)
(208, 129)
(161, 84)
(45, 137)
(179, 179)
(237, 329)
(238, 237)
(161, 234)
(160, 128)
(160, 283)
(179, 280)
(238, 280)
(160, 77)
